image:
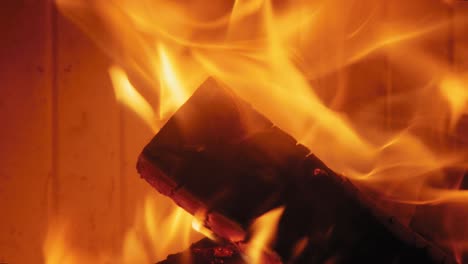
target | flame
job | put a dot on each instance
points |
(126, 94)
(159, 228)
(173, 94)
(58, 249)
(392, 131)
(200, 228)
(55, 247)
(263, 233)
(169, 232)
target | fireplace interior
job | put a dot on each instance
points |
(247, 131)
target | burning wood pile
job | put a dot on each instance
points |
(326, 133)
(227, 165)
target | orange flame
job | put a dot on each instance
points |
(173, 94)
(126, 94)
(296, 63)
(159, 228)
(55, 248)
(263, 233)
(455, 92)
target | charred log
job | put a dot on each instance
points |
(206, 251)
(219, 158)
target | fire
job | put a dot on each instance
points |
(168, 231)
(455, 92)
(55, 247)
(172, 92)
(126, 94)
(163, 228)
(393, 141)
(198, 225)
(159, 228)
(263, 234)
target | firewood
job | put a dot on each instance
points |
(206, 251)
(219, 158)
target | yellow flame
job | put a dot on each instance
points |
(455, 91)
(55, 248)
(172, 92)
(263, 233)
(133, 249)
(198, 226)
(161, 227)
(152, 236)
(126, 94)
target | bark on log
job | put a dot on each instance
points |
(219, 156)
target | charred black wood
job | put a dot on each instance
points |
(219, 158)
(206, 251)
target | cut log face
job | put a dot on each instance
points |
(213, 140)
(220, 158)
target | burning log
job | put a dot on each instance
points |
(221, 160)
(207, 251)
